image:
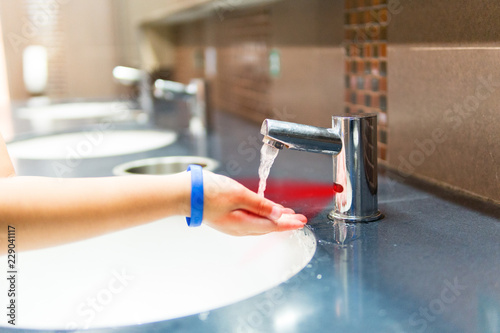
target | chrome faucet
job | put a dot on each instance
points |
(352, 141)
(197, 97)
(195, 93)
(171, 89)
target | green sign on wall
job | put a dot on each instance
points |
(274, 63)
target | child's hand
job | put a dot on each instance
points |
(233, 209)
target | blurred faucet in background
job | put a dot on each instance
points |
(197, 98)
(138, 79)
(196, 95)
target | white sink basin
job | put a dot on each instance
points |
(154, 272)
(54, 117)
(73, 110)
(90, 144)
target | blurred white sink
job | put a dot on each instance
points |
(90, 144)
(166, 165)
(57, 117)
(149, 273)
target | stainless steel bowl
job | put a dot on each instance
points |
(163, 165)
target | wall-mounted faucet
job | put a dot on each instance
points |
(352, 141)
(196, 95)
(134, 77)
(171, 89)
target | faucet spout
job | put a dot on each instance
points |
(314, 139)
(170, 89)
(352, 141)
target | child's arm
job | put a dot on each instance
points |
(48, 211)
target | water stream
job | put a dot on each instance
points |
(267, 156)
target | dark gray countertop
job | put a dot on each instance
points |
(431, 265)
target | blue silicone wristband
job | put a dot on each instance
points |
(196, 196)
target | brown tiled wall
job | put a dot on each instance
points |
(243, 77)
(444, 84)
(365, 40)
(241, 38)
(308, 36)
(189, 48)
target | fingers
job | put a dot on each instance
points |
(241, 223)
(286, 210)
(262, 206)
(290, 222)
(300, 217)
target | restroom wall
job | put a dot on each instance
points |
(365, 57)
(190, 45)
(12, 53)
(240, 81)
(90, 49)
(129, 16)
(6, 130)
(429, 69)
(79, 38)
(444, 94)
(307, 34)
(243, 80)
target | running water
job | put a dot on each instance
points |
(267, 156)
